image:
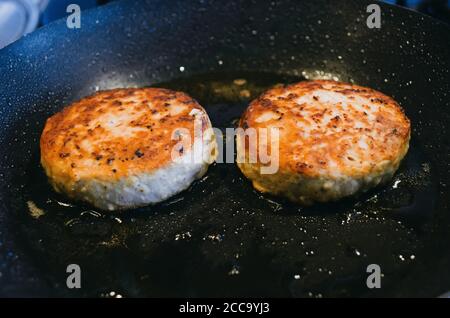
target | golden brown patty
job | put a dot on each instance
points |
(336, 139)
(107, 148)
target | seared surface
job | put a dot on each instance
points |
(352, 136)
(114, 135)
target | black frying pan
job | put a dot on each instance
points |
(222, 238)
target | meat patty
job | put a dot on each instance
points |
(127, 148)
(335, 140)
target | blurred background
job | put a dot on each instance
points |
(19, 17)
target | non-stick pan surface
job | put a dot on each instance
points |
(222, 238)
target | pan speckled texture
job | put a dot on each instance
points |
(222, 238)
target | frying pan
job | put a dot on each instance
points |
(221, 237)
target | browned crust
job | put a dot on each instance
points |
(387, 133)
(64, 143)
